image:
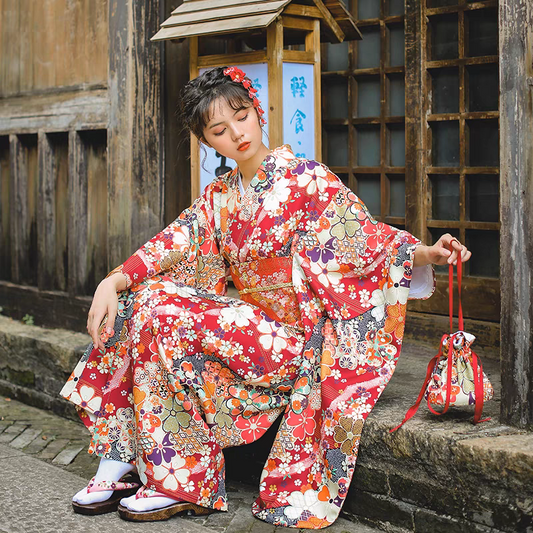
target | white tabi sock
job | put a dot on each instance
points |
(108, 470)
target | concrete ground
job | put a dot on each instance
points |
(43, 462)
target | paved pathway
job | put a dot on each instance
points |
(43, 461)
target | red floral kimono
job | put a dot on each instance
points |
(315, 338)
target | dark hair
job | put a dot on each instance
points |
(198, 95)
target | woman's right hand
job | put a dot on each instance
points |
(105, 302)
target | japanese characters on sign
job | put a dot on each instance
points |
(299, 109)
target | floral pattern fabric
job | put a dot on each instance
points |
(191, 371)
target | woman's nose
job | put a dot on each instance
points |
(235, 132)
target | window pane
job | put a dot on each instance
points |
(369, 190)
(397, 145)
(337, 143)
(444, 37)
(445, 97)
(482, 193)
(368, 146)
(483, 87)
(336, 98)
(368, 97)
(444, 197)
(482, 32)
(445, 152)
(369, 49)
(337, 56)
(436, 233)
(485, 248)
(397, 196)
(396, 7)
(397, 96)
(396, 46)
(367, 9)
(484, 143)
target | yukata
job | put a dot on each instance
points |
(314, 337)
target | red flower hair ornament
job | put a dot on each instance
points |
(238, 76)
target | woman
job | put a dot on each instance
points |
(315, 337)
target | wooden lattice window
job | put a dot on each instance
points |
(461, 140)
(363, 87)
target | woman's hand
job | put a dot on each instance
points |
(444, 251)
(105, 302)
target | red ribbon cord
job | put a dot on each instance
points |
(478, 388)
(414, 408)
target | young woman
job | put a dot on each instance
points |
(180, 371)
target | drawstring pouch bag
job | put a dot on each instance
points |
(455, 375)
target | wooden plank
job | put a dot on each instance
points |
(298, 56)
(344, 19)
(95, 155)
(297, 10)
(415, 206)
(177, 149)
(46, 244)
(312, 45)
(195, 143)
(23, 170)
(330, 21)
(59, 111)
(297, 23)
(134, 162)
(77, 203)
(205, 5)
(215, 27)
(275, 82)
(218, 60)
(516, 208)
(234, 12)
(5, 216)
(49, 308)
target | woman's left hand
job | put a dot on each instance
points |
(446, 250)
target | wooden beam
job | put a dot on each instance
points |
(275, 82)
(297, 10)
(298, 56)
(516, 209)
(330, 21)
(59, 111)
(415, 205)
(194, 70)
(218, 60)
(312, 45)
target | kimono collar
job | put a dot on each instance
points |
(264, 176)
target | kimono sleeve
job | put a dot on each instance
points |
(354, 264)
(187, 251)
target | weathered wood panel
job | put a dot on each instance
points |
(52, 43)
(516, 209)
(53, 211)
(78, 213)
(134, 170)
(24, 171)
(60, 111)
(5, 219)
(95, 146)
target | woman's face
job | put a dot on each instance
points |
(234, 134)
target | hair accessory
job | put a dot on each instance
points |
(238, 76)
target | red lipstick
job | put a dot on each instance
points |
(243, 146)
